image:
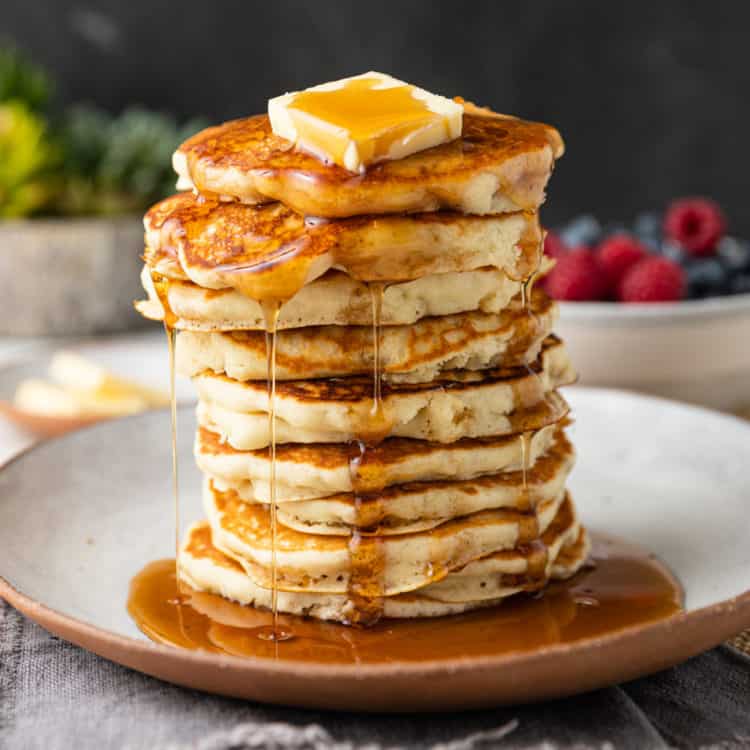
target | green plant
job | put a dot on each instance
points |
(118, 164)
(88, 161)
(23, 81)
(27, 161)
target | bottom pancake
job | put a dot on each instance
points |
(390, 565)
(482, 583)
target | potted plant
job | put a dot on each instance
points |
(73, 186)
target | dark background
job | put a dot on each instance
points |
(653, 99)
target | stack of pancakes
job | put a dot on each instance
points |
(416, 458)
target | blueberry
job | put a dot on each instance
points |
(583, 230)
(674, 252)
(647, 228)
(740, 284)
(734, 254)
(706, 278)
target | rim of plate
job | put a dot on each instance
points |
(675, 313)
(51, 619)
(738, 609)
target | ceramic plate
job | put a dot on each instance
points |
(82, 514)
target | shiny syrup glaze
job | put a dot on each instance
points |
(249, 146)
(365, 591)
(271, 251)
(366, 552)
(271, 305)
(161, 285)
(622, 587)
(360, 110)
(275, 632)
(532, 545)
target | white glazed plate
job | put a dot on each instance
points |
(80, 515)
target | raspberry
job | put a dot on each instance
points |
(616, 255)
(577, 276)
(554, 247)
(695, 223)
(653, 279)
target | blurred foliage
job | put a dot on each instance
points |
(84, 161)
(118, 164)
(23, 81)
(28, 161)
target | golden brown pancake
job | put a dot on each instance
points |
(310, 470)
(418, 506)
(458, 404)
(413, 353)
(209, 572)
(323, 562)
(271, 251)
(333, 299)
(499, 164)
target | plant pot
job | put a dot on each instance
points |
(70, 276)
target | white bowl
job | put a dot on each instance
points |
(697, 351)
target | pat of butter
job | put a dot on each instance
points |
(365, 119)
(82, 389)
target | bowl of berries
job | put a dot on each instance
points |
(661, 305)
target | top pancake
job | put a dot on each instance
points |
(499, 164)
(205, 568)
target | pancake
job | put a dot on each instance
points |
(499, 164)
(270, 251)
(403, 562)
(418, 506)
(206, 569)
(457, 404)
(333, 299)
(492, 575)
(305, 472)
(572, 556)
(415, 353)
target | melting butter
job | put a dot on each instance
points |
(365, 119)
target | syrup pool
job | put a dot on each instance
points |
(622, 587)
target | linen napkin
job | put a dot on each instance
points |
(55, 696)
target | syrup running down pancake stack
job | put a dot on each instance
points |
(380, 427)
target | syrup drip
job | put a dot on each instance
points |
(525, 443)
(247, 280)
(271, 311)
(171, 344)
(625, 587)
(535, 549)
(161, 285)
(366, 555)
(270, 290)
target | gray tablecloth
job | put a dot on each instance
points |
(54, 695)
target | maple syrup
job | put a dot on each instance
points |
(366, 551)
(538, 555)
(161, 286)
(624, 587)
(245, 279)
(364, 114)
(271, 311)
